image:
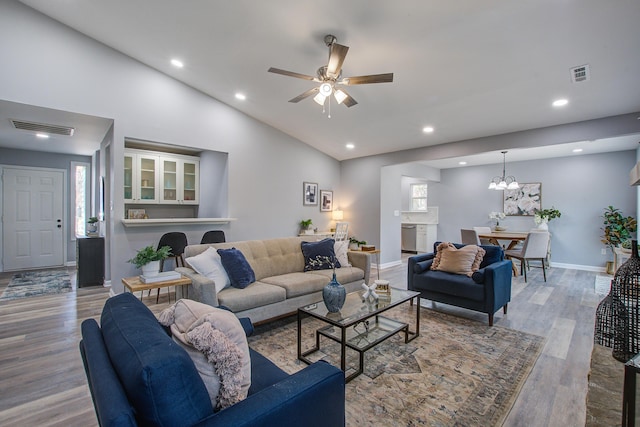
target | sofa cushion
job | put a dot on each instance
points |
(217, 344)
(343, 274)
(464, 260)
(157, 375)
(209, 264)
(458, 285)
(297, 284)
(240, 272)
(492, 255)
(256, 294)
(322, 252)
(264, 373)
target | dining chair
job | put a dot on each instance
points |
(213, 236)
(177, 241)
(483, 230)
(469, 237)
(535, 247)
(342, 229)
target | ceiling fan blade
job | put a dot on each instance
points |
(349, 101)
(362, 80)
(291, 74)
(304, 95)
(336, 58)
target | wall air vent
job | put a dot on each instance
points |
(42, 127)
(580, 74)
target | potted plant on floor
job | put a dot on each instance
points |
(148, 259)
(617, 228)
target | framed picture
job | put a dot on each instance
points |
(136, 213)
(309, 194)
(524, 201)
(326, 201)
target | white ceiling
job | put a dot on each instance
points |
(467, 68)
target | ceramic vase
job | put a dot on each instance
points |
(543, 225)
(334, 295)
(151, 269)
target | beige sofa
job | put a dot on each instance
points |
(281, 286)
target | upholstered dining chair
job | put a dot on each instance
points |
(469, 237)
(483, 230)
(535, 247)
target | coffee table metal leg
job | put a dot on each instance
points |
(415, 334)
(343, 350)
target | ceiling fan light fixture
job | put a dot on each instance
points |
(340, 96)
(326, 89)
(319, 98)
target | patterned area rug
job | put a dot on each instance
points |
(36, 283)
(458, 372)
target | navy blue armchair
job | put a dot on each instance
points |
(486, 291)
(138, 375)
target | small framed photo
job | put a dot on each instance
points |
(136, 213)
(326, 201)
(309, 194)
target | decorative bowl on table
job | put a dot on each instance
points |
(500, 228)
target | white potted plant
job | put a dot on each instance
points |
(498, 216)
(148, 259)
(92, 225)
(305, 226)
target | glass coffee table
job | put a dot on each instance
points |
(358, 325)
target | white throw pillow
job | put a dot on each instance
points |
(340, 249)
(209, 264)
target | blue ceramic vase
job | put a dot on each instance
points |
(334, 295)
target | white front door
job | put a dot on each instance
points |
(32, 214)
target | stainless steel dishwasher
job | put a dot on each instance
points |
(409, 238)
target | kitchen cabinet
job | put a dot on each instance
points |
(140, 177)
(426, 236)
(179, 179)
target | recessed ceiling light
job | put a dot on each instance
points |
(241, 96)
(462, 163)
(350, 146)
(577, 150)
(427, 129)
(42, 135)
(560, 102)
(177, 63)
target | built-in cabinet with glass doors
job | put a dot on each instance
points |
(160, 178)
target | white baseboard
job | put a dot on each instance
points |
(388, 264)
(579, 267)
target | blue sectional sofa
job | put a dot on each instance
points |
(138, 375)
(486, 291)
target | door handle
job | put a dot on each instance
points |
(59, 220)
(59, 226)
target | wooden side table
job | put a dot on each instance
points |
(134, 284)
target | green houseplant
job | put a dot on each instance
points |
(92, 226)
(148, 259)
(354, 243)
(617, 228)
(305, 226)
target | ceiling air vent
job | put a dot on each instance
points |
(580, 74)
(43, 127)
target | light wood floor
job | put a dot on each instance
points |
(42, 380)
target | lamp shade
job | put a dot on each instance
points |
(337, 215)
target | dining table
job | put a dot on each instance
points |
(513, 237)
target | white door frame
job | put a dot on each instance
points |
(65, 208)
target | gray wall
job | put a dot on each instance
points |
(53, 161)
(266, 167)
(580, 187)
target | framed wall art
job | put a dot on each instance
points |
(523, 201)
(326, 201)
(309, 194)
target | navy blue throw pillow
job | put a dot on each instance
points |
(323, 248)
(240, 272)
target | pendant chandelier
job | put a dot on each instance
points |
(504, 182)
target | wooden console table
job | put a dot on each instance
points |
(134, 284)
